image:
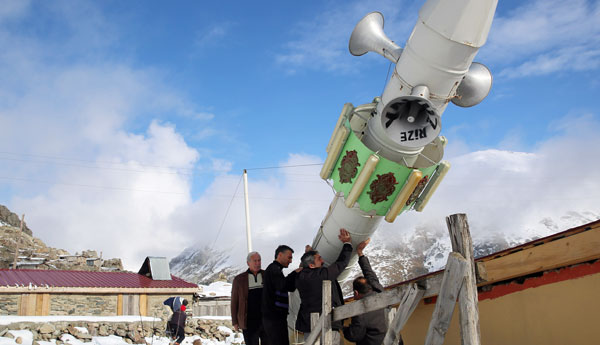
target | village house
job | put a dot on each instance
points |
(60, 292)
(542, 292)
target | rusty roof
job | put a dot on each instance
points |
(54, 278)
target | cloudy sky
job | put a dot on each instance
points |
(125, 126)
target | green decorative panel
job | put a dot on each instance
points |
(385, 183)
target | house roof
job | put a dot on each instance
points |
(156, 267)
(85, 279)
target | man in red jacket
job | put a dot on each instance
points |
(246, 300)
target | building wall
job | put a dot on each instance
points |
(564, 312)
(88, 304)
(72, 304)
(9, 304)
(212, 308)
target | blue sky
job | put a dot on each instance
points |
(124, 126)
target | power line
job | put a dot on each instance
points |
(87, 160)
(226, 212)
(90, 186)
(102, 168)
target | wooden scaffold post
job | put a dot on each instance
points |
(460, 237)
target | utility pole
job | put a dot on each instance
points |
(248, 235)
(18, 241)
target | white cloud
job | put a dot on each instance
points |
(12, 8)
(83, 154)
(129, 218)
(323, 42)
(214, 34)
(543, 37)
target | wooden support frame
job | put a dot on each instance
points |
(468, 311)
(373, 302)
(409, 302)
(323, 325)
(326, 334)
(459, 281)
(454, 275)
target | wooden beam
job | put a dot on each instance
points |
(559, 253)
(326, 334)
(314, 322)
(409, 302)
(373, 302)
(143, 308)
(39, 304)
(468, 310)
(120, 304)
(454, 275)
(315, 330)
(46, 304)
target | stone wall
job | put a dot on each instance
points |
(70, 304)
(131, 332)
(9, 304)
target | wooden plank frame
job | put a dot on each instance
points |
(454, 276)
(468, 310)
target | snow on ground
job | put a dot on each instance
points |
(216, 289)
(8, 319)
(212, 317)
(27, 337)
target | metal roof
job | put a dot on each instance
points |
(53, 278)
(156, 267)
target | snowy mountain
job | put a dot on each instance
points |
(203, 265)
(422, 251)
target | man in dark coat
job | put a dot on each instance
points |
(310, 281)
(275, 296)
(246, 300)
(368, 328)
(176, 324)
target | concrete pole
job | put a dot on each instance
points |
(248, 234)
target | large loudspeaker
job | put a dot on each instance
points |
(368, 36)
(411, 121)
(474, 87)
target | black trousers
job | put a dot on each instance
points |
(255, 331)
(176, 332)
(277, 331)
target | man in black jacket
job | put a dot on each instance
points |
(275, 296)
(310, 281)
(368, 328)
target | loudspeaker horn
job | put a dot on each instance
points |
(474, 87)
(368, 36)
